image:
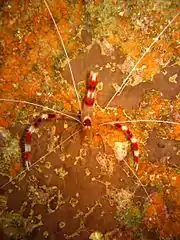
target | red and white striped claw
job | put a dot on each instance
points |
(134, 143)
(28, 136)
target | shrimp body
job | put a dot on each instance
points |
(88, 101)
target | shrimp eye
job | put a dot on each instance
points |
(87, 122)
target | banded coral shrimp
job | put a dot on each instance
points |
(51, 195)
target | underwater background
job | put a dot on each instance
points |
(77, 188)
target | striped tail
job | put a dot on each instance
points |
(134, 143)
(89, 100)
(28, 135)
(89, 97)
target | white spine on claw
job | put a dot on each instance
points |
(94, 76)
(65, 125)
(124, 128)
(31, 129)
(93, 94)
(133, 140)
(27, 148)
(44, 116)
(88, 94)
(136, 153)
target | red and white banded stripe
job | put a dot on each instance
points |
(92, 81)
(89, 99)
(134, 143)
(31, 130)
(86, 114)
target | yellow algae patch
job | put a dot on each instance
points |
(109, 133)
(158, 175)
(133, 41)
(150, 61)
(156, 216)
(28, 61)
(114, 39)
(157, 106)
(175, 132)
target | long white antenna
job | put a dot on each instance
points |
(126, 80)
(136, 178)
(64, 48)
(141, 120)
(40, 159)
(39, 105)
